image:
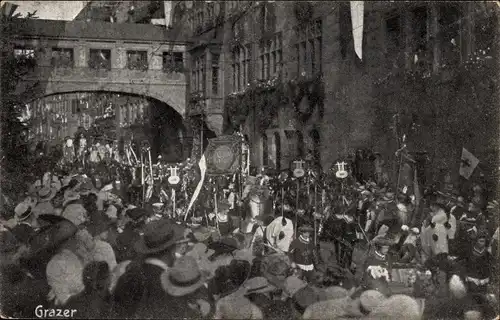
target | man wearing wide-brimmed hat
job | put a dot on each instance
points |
(26, 222)
(138, 291)
(184, 284)
(131, 234)
(44, 205)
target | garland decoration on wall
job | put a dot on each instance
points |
(314, 90)
(262, 96)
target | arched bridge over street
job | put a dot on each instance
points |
(73, 56)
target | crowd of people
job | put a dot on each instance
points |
(80, 242)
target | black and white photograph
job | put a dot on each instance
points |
(250, 160)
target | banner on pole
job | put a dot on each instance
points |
(223, 155)
(357, 14)
(467, 164)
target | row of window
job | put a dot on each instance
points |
(133, 112)
(101, 59)
(451, 34)
(269, 60)
(308, 55)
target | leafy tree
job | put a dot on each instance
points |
(14, 125)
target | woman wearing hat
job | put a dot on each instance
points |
(302, 253)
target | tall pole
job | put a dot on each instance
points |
(297, 207)
(240, 176)
(202, 128)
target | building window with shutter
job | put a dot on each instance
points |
(265, 151)
(450, 24)
(199, 75)
(62, 58)
(247, 62)
(270, 56)
(24, 53)
(239, 64)
(137, 60)
(309, 48)
(173, 62)
(393, 32)
(422, 52)
(267, 17)
(394, 40)
(100, 59)
(215, 74)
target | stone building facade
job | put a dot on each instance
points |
(138, 68)
(329, 103)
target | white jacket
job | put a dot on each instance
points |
(433, 247)
(273, 231)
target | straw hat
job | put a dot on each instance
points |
(46, 194)
(183, 278)
(22, 211)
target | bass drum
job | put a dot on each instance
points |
(260, 206)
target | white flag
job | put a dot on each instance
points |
(468, 163)
(167, 11)
(203, 169)
(357, 14)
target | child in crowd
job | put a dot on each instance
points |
(302, 253)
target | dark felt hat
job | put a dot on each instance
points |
(136, 213)
(224, 246)
(51, 236)
(158, 236)
(230, 278)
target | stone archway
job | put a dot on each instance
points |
(173, 95)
